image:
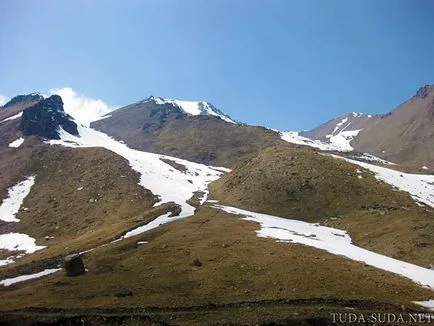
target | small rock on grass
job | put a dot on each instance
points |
(197, 262)
(123, 292)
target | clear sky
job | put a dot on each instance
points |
(283, 64)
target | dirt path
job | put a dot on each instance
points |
(267, 312)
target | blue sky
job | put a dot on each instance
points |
(283, 64)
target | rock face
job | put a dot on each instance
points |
(74, 265)
(34, 97)
(44, 119)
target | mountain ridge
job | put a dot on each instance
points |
(403, 135)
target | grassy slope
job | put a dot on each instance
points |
(303, 184)
(237, 267)
(56, 208)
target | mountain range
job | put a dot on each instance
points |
(184, 216)
(404, 136)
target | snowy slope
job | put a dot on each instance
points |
(335, 241)
(347, 123)
(295, 138)
(16, 195)
(335, 134)
(339, 142)
(342, 139)
(162, 179)
(8, 210)
(194, 107)
(419, 186)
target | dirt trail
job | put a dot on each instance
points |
(313, 311)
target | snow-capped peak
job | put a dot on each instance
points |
(193, 107)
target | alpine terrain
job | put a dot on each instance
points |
(169, 212)
(403, 136)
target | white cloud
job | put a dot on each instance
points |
(3, 100)
(83, 109)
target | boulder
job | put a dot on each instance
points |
(74, 265)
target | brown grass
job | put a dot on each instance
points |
(237, 267)
(302, 184)
(81, 197)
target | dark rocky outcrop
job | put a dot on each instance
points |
(33, 97)
(74, 265)
(44, 119)
(424, 91)
(161, 114)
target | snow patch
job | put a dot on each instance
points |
(221, 169)
(335, 241)
(163, 219)
(338, 125)
(19, 242)
(103, 117)
(16, 195)
(22, 278)
(372, 158)
(295, 138)
(419, 186)
(342, 140)
(16, 116)
(427, 304)
(17, 143)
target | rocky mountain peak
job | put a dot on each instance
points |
(33, 97)
(424, 91)
(191, 108)
(45, 118)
